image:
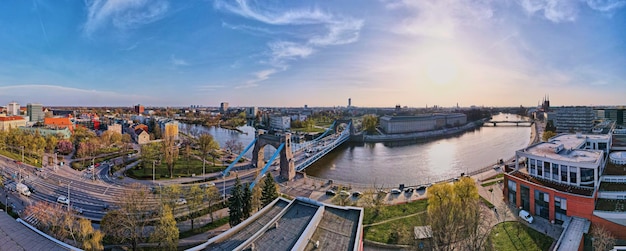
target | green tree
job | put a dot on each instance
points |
(51, 143)
(270, 191)
(455, 216)
(90, 238)
(170, 153)
(212, 196)
(547, 135)
(369, 123)
(246, 205)
(165, 231)
(207, 144)
(235, 204)
(169, 195)
(194, 202)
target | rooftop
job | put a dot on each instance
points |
(613, 169)
(12, 118)
(569, 145)
(16, 236)
(554, 185)
(302, 223)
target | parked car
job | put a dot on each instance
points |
(63, 200)
(408, 190)
(525, 215)
(422, 187)
(396, 191)
(357, 194)
(344, 193)
(330, 193)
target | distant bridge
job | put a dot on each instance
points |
(294, 157)
(510, 122)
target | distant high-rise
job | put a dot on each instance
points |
(349, 102)
(13, 109)
(223, 107)
(139, 109)
(35, 112)
(251, 112)
(574, 119)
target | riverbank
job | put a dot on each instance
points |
(420, 136)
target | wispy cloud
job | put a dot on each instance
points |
(62, 95)
(258, 77)
(328, 30)
(438, 18)
(606, 5)
(567, 10)
(209, 87)
(122, 14)
(178, 62)
(43, 27)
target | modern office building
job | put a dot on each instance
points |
(35, 112)
(13, 109)
(574, 119)
(572, 177)
(223, 107)
(280, 122)
(299, 224)
(420, 123)
(11, 122)
(613, 114)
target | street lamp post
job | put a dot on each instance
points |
(93, 169)
(68, 196)
(22, 153)
(153, 161)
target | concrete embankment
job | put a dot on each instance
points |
(419, 136)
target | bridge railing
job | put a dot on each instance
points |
(297, 147)
(343, 137)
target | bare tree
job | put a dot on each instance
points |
(170, 153)
(602, 239)
(128, 223)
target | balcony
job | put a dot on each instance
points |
(554, 185)
(610, 205)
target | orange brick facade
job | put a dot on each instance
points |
(577, 205)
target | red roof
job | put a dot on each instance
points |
(11, 118)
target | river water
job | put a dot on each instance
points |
(410, 163)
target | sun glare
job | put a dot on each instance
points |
(441, 70)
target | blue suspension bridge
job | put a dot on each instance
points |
(304, 154)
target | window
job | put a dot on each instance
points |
(555, 171)
(586, 177)
(563, 173)
(572, 175)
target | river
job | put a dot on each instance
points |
(414, 163)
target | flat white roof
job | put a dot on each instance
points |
(570, 151)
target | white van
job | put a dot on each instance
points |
(525, 215)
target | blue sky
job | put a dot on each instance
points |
(320, 53)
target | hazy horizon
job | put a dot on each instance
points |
(319, 53)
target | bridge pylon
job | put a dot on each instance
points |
(287, 165)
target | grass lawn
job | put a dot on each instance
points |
(182, 168)
(398, 231)
(309, 130)
(394, 211)
(513, 235)
(394, 232)
(18, 157)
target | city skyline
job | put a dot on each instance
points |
(288, 54)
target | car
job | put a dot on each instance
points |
(105, 207)
(31, 188)
(381, 191)
(408, 190)
(77, 209)
(396, 191)
(181, 201)
(357, 194)
(330, 193)
(344, 193)
(207, 185)
(63, 200)
(525, 215)
(422, 187)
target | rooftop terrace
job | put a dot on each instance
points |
(336, 230)
(611, 205)
(613, 169)
(554, 185)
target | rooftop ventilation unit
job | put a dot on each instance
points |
(559, 148)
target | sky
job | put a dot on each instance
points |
(379, 53)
